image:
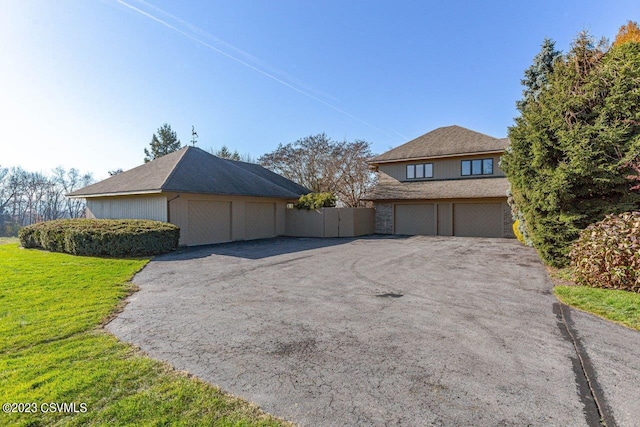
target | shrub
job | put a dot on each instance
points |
(102, 237)
(517, 233)
(316, 201)
(607, 253)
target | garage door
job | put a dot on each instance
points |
(415, 219)
(477, 219)
(209, 222)
(260, 220)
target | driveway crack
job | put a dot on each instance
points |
(586, 374)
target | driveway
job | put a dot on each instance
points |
(380, 331)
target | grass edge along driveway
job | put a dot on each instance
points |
(54, 351)
(618, 306)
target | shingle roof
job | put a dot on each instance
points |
(444, 141)
(469, 188)
(192, 170)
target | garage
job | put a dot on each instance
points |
(260, 220)
(477, 220)
(413, 219)
(208, 222)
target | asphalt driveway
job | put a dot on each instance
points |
(383, 331)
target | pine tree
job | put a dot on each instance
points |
(537, 75)
(566, 159)
(164, 143)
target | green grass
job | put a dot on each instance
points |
(52, 349)
(618, 306)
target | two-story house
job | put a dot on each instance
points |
(447, 182)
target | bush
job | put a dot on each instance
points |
(607, 253)
(517, 233)
(316, 201)
(102, 237)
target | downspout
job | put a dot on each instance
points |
(169, 208)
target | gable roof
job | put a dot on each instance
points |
(192, 170)
(442, 142)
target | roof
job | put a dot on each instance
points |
(192, 170)
(443, 142)
(468, 188)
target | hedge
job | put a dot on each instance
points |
(102, 237)
(607, 253)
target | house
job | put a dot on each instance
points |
(447, 182)
(211, 199)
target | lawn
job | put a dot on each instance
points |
(53, 351)
(618, 306)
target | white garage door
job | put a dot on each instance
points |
(260, 220)
(209, 222)
(477, 219)
(415, 219)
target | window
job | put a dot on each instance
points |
(487, 167)
(423, 170)
(476, 167)
(428, 170)
(411, 171)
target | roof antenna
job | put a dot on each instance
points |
(194, 136)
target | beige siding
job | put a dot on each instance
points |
(411, 219)
(478, 219)
(356, 222)
(260, 220)
(209, 222)
(304, 223)
(448, 168)
(330, 222)
(128, 207)
(445, 219)
(179, 209)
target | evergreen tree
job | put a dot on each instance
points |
(225, 153)
(164, 143)
(566, 162)
(537, 75)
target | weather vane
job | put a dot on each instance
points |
(194, 136)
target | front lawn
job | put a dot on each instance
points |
(53, 351)
(618, 306)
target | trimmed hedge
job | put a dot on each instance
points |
(102, 237)
(607, 253)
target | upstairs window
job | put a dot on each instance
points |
(476, 167)
(419, 171)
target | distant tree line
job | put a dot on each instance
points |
(30, 197)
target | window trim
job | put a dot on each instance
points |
(472, 170)
(414, 167)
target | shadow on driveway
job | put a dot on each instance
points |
(265, 248)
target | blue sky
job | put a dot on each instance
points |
(85, 83)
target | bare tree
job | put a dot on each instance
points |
(324, 165)
(29, 197)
